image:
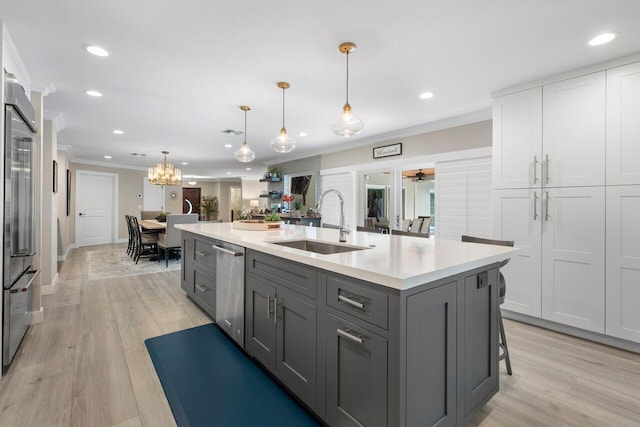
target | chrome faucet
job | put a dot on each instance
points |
(343, 230)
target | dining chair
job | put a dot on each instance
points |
(370, 230)
(170, 239)
(408, 233)
(370, 222)
(406, 224)
(144, 245)
(502, 291)
(425, 226)
(309, 222)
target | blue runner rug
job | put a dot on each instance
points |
(209, 382)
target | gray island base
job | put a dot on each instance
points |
(357, 353)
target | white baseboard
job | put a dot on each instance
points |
(37, 316)
(66, 254)
(570, 330)
(49, 289)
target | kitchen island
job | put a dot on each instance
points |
(395, 331)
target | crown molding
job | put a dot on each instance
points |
(108, 165)
(15, 55)
(474, 116)
(57, 120)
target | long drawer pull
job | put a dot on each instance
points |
(268, 307)
(202, 288)
(535, 205)
(227, 251)
(546, 207)
(202, 254)
(275, 311)
(351, 302)
(347, 334)
(546, 161)
(535, 169)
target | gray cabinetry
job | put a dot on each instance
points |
(199, 271)
(357, 374)
(431, 357)
(281, 329)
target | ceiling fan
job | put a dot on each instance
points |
(421, 176)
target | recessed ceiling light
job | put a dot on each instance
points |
(185, 163)
(118, 132)
(107, 157)
(228, 173)
(426, 95)
(228, 145)
(192, 182)
(96, 50)
(248, 169)
(303, 134)
(93, 93)
(601, 39)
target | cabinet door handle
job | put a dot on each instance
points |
(275, 311)
(546, 207)
(347, 334)
(351, 302)
(202, 254)
(268, 306)
(546, 162)
(535, 205)
(535, 169)
(227, 251)
(202, 288)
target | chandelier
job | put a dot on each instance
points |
(164, 173)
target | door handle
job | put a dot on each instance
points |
(268, 307)
(80, 214)
(202, 254)
(202, 288)
(351, 302)
(535, 205)
(546, 161)
(347, 334)
(226, 251)
(535, 169)
(546, 207)
(275, 311)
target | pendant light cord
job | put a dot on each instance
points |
(347, 76)
(245, 125)
(283, 89)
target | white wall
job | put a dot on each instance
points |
(251, 190)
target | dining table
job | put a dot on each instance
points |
(152, 225)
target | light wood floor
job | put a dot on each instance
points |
(86, 364)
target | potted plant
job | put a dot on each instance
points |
(274, 173)
(162, 216)
(272, 217)
(209, 206)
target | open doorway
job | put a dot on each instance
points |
(191, 200)
(418, 195)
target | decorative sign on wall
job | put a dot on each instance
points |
(387, 150)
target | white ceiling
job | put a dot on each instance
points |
(180, 70)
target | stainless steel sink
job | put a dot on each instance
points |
(318, 247)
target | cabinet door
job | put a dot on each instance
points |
(574, 132)
(260, 328)
(623, 126)
(480, 337)
(431, 330)
(573, 257)
(296, 344)
(517, 139)
(356, 375)
(518, 216)
(623, 262)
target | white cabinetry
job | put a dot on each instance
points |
(573, 259)
(574, 132)
(623, 262)
(517, 216)
(623, 125)
(517, 139)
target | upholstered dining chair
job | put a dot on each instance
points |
(408, 233)
(170, 239)
(502, 291)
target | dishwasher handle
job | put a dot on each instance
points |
(227, 251)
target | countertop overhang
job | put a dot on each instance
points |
(399, 262)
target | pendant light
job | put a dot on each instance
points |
(347, 124)
(245, 154)
(283, 143)
(164, 173)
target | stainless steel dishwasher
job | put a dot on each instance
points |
(230, 290)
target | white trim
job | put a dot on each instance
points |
(475, 116)
(51, 288)
(57, 121)
(114, 205)
(37, 316)
(413, 162)
(17, 60)
(66, 254)
(107, 165)
(570, 330)
(568, 75)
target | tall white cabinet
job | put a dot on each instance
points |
(561, 152)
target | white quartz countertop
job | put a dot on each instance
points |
(397, 262)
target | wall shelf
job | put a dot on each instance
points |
(273, 194)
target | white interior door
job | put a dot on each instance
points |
(153, 196)
(96, 208)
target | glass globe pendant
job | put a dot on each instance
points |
(283, 143)
(245, 154)
(347, 124)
